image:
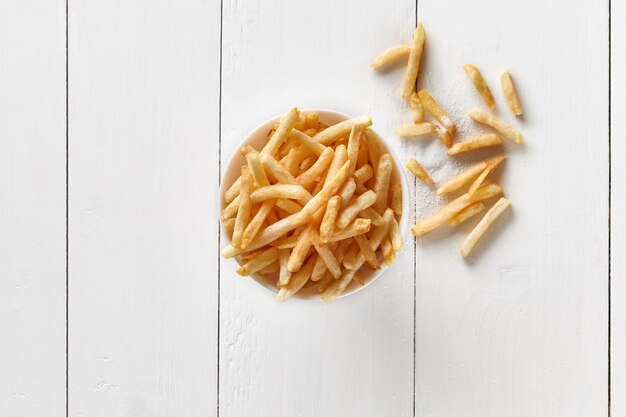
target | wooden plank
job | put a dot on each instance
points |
(32, 208)
(520, 328)
(143, 179)
(618, 209)
(353, 356)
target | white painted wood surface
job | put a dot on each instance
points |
(154, 315)
(32, 208)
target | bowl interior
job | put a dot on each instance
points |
(257, 139)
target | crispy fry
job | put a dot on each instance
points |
(231, 209)
(307, 141)
(257, 221)
(486, 118)
(462, 178)
(479, 83)
(311, 120)
(350, 212)
(334, 132)
(350, 257)
(395, 198)
(233, 191)
(357, 227)
(363, 174)
(354, 142)
(243, 214)
(415, 129)
(317, 169)
(417, 110)
(300, 251)
(327, 227)
(373, 147)
(438, 113)
(286, 242)
(467, 213)
(297, 280)
(383, 177)
(269, 234)
(396, 236)
(347, 191)
(277, 171)
(285, 125)
(361, 189)
(370, 213)
(287, 191)
(325, 253)
(491, 165)
(284, 273)
(483, 141)
(482, 226)
(256, 168)
(259, 262)
(289, 206)
(390, 55)
(364, 154)
(419, 172)
(340, 157)
(508, 88)
(412, 68)
(367, 251)
(446, 212)
(389, 256)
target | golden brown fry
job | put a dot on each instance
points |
(438, 113)
(350, 212)
(419, 172)
(363, 174)
(446, 212)
(270, 233)
(354, 142)
(243, 214)
(508, 88)
(230, 210)
(287, 191)
(277, 171)
(325, 253)
(390, 55)
(413, 66)
(462, 178)
(383, 177)
(311, 120)
(395, 198)
(479, 83)
(486, 118)
(467, 213)
(229, 225)
(357, 227)
(256, 168)
(364, 154)
(259, 262)
(289, 206)
(347, 191)
(327, 227)
(307, 141)
(396, 236)
(361, 189)
(387, 249)
(300, 251)
(367, 251)
(284, 273)
(317, 169)
(257, 221)
(370, 213)
(334, 132)
(358, 278)
(340, 157)
(350, 257)
(285, 125)
(297, 280)
(374, 148)
(491, 165)
(474, 236)
(233, 191)
(295, 156)
(483, 141)
(286, 242)
(411, 130)
(417, 110)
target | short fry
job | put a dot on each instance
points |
(284, 274)
(317, 169)
(363, 174)
(479, 83)
(486, 118)
(508, 88)
(304, 139)
(417, 110)
(300, 251)
(472, 239)
(415, 129)
(390, 55)
(419, 172)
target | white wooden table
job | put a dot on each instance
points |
(116, 119)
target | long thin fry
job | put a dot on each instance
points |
(233, 191)
(370, 213)
(289, 206)
(395, 198)
(243, 214)
(354, 142)
(259, 262)
(276, 170)
(257, 221)
(508, 88)
(347, 191)
(313, 145)
(231, 209)
(352, 210)
(318, 168)
(491, 165)
(413, 66)
(462, 178)
(340, 157)
(334, 132)
(285, 124)
(284, 273)
(357, 227)
(300, 251)
(486, 118)
(290, 191)
(325, 253)
(391, 55)
(383, 177)
(367, 251)
(396, 236)
(327, 227)
(297, 280)
(480, 84)
(466, 214)
(472, 239)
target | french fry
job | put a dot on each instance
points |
(412, 68)
(300, 122)
(323, 283)
(256, 168)
(323, 196)
(364, 154)
(491, 165)
(389, 256)
(479, 83)
(270, 269)
(307, 163)
(361, 189)
(373, 147)
(320, 269)
(285, 125)
(463, 178)
(269, 234)
(243, 214)
(277, 171)
(326, 254)
(508, 88)
(486, 118)
(438, 113)
(231, 209)
(383, 177)
(357, 227)
(472, 239)
(286, 191)
(233, 191)
(417, 110)
(300, 251)
(419, 172)
(395, 198)
(284, 273)
(311, 120)
(349, 213)
(363, 174)
(347, 191)
(394, 233)
(466, 214)
(327, 227)
(286, 242)
(257, 221)
(358, 278)
(229, 225)
(297, 280)
(446, 212)
(259, 262)
(289, 206)
(351, 255)
(483, 141)
(367, 251)
(340, 157)
(334, 132)
(317, 169)
(273, 217)
(415, 129)
(307, 141)
(293, 159)
(390, 55)
(370, 213)
(354, 143)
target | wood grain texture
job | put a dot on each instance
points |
(520, 328)
(353, 356)
(618, 209)
(144, 105)
(32, 208)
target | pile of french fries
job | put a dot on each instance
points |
(316, 206)
(422, 103)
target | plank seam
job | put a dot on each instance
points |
(609, 226)
(415, 279)
(219, 229)
(67, 205)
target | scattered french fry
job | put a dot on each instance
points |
(417, 110)
(486, 118)
(413, 66)
(390, 55)
(419, 172)
(480, 84)
(466, 214)
(491, 215)
(508, 88)
(491, 165)
(438, 113)
(415, 129)
(463, 178)
(483, 141)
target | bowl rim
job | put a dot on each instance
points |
(260, 128)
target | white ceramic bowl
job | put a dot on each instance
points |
(257, 139)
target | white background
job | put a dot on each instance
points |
(116, 119)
